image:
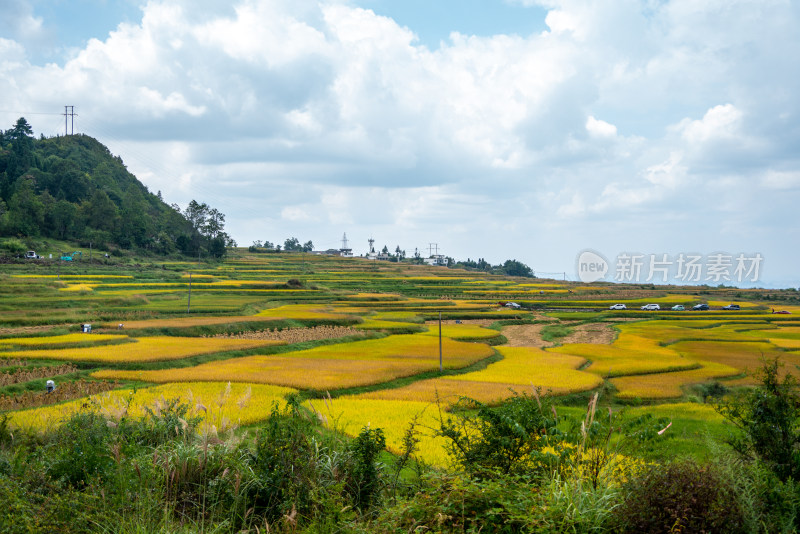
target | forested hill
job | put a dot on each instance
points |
(73, 188)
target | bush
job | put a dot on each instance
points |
(768, 418)
(680, 497)
(503, 439)
(14, 246)
(364, 483)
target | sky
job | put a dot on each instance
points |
(536, 130)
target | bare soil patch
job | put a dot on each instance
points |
(529, 335)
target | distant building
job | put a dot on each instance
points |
(437, 259)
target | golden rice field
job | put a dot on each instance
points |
(378, 324)
(221, 405)
(785, 343)
(668, 385)
(351, 414)
(520, 369)
(145, 349)
(186, 322)
(465, 332)
(776, 332)
(300, 311)
(745, 356)
(668, 334)
(628, 355)
(327, 367)
(58, 340)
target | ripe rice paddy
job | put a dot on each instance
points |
(327, 367)
(221, 405)
(58, 340)
(747, 357)
(146, 349)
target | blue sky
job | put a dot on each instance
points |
(527, 129)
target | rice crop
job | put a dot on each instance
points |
(782, 332)
(221, 405)
(464, 332)
(327, 367)
(628, 355)
(390, 326)
(298, 335)
(448, 390)
(185, 322)
(784, 343)
(59, 340)
(351, 414)
(146, 349)
(667, 334)
(668, 385)
(300, 311)
(744, 356)
(528, 366)
(71, 276)
(519, 370)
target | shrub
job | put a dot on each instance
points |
(680, 497)
(80, 450)
(768, 419)
(364, 482)
(503, 439)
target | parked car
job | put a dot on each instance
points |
(651, 307)
(678, 307)
(700, 307)
(513, 305)
(731, 307)
(618, 307)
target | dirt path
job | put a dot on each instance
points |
(529, 335)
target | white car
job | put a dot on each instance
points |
(513, 305)
(618, 307)
(651, 307)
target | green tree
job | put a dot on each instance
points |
(291, 244)
(516, 268)
(100, 212)
(25, 209)
(768, 420)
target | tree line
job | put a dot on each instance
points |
(73, 188)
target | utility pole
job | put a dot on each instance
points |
(69, 113)
(189, 303)
(440, 342)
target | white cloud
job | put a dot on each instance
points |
(322, 114)
(600, 128)
(719, 122)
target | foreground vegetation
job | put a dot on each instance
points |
(295, 392)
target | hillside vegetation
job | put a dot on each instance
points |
(71, 188)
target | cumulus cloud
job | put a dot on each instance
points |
(326, 113)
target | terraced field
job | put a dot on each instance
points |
(259, 327)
